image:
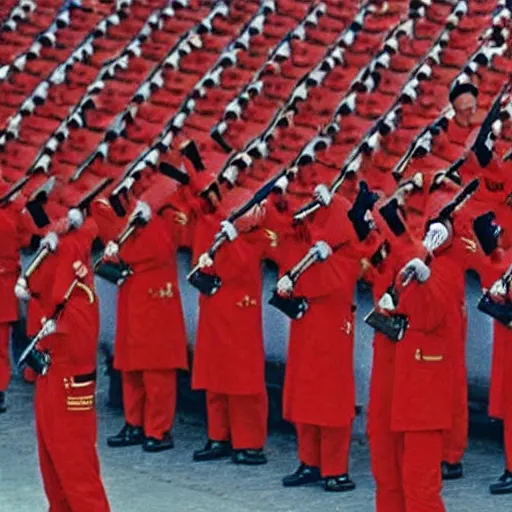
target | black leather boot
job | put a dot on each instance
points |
(127, 436)
(3, 403)
(152, 445)
(249, 457)
(451, 471)
(503, 485)
(340, 483)
(213, 450)
(303, 475)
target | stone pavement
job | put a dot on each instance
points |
(169, 481)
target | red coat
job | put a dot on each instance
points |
(319, 385)
(229, 353)
(73, 347)
(150, 333)
(384, 350)
(9, 266)
(500, 393)
(423, 387)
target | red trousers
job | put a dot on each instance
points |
(455, 440)
(149, 400)
(66, 437)
(239, 418)
(407, 470)
(5, 364)
(508, 443)
(326, 448)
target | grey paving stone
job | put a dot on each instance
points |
(170, 481)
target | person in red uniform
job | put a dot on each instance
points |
(9, 268)
(319, 389)
(385, 455)
(500, 394)
(65, 396)
(150, 344)
(229, 357)
(420, 389)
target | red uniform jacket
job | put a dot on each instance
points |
(384, 350)
(150, 333)
(319, 386)
(422, 387)
(73, 346)
(9, 265)
(500, 394)
(229, 352)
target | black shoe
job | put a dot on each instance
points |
(303, 475)
(212, 451)
(341, 483)
(151, 444)
(127, 436)
(503, 485)
(249, 457)
(3, 404)
(451, 471)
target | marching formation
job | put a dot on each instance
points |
(386, 159)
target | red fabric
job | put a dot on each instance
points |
(149, 400)
(508, 442)
(67, 446)
(67, 438)
(500, 393)
(455, 439)
(5, 365)
(149, 303)
(319, 383)
(229, 353)
(79, 319)
(421, 469)
(9, 262)
(422, 389)
(407, 470)
(326, 448)
(241, 419)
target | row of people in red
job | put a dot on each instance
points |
(425, 369)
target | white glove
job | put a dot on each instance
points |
(498, 289)
(285, 285)
(322, 250)
(75, 218)
(281, 184)
(387, 303)
(229, 230)
(49, 327)
(111, 250)
(205, 260)
(418, 269)
(436, 236)
(496, 128)
(143, 210)
(322, 195)
(21, 289)
(51, 241)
